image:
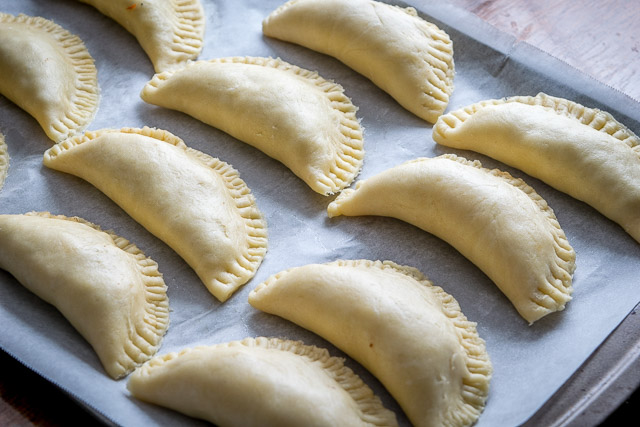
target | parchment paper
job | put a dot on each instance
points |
(530, 362)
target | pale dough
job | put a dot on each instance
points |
(498, 222)
(49, 73)
(581, 151)
(260, 382)
(170, 31)
(101, 283)
(290, 114)
(408, 333)
(407, 57)
(196, 204)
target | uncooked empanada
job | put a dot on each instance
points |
(170, 31)
(4, 160)
(407, 57)
(260, 382)
(408, 333)
(49, 73)
(291, 114)
(196, 204)
(101, 283)
(495, 220)
(581, 151)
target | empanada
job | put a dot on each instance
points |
(196, 204)
(101, 283)
(495, 220)
(4, 160)
(408, 333)
(581, 151)
(291, 114)
(407, 57)
(49, 73)
(260, 382)
(170, 31)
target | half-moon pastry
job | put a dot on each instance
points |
(4, 161)
(407, 57)
(495, 220)
(408, 333)
(101, 283)
(196, 204)
(49, 73)
(581, 151)
(171, 32)
(291, 114)
(260, 382)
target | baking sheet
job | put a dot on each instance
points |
(530, 362)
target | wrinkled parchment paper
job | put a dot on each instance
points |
(530, 362)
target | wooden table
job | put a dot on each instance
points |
(600, 38)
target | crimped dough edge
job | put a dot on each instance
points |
(84, 103)
(599, 120)
(438, 60)
(187, 24)
(476, 387)
(551, 295)
(349, 153)
(188, 34)
(370, 405)
(245, 202)
(563, 264)
(4, 161)
(143, 343)
(256, 226)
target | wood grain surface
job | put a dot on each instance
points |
(600, 38)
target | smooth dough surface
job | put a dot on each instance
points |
(260, 382)
(171, 32)
(196, 204)
(49, 73)
(408, 333)
(407, 57)
(290, 114)
(4, 161)
(101, 283)
(581, 151)
(496, 221)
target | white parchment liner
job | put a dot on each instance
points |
(530, 362)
